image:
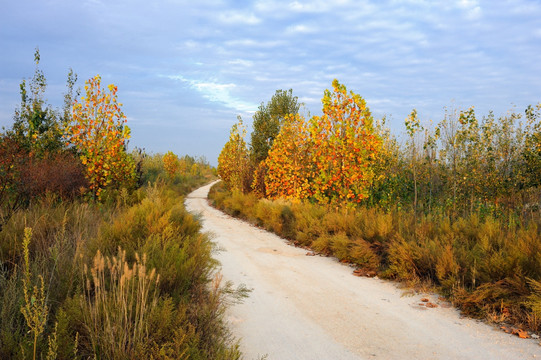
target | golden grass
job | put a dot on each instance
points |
(490, 268)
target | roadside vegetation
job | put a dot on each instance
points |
(455, 206)
(98, 257)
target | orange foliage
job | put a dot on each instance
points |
(344, 148)
(288, 161)
(233, 162)
(98, 132)
(331, 159)
(171, 164)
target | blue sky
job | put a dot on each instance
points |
(186, 69)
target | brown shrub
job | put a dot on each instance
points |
(362, 254)
(60, 173)
(12, 158)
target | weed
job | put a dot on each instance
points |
(52, 351)
(35, 309)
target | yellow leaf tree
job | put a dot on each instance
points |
(288, 161)
(344, 147)
(98, 132)
(171, 164)
(233, 161)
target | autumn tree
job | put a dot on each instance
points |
(183, 165)
(99, 134)
(233, 161)
(195, 170)
(344, 147)
(171, 164)
(288, 161)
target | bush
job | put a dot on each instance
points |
(59, 173)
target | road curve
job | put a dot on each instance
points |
(312, 307)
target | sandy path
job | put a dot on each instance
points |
(312, 307)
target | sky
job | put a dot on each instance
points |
(186, 69)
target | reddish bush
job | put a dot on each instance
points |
(24, 176)
(12, 159)
(60, 173)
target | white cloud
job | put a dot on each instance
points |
(304, 7)
(474, 13)
(268, 6)
(307, 100)
(190, 44)
(472, 8)
(239, 18)
(253, 43)
(317, 6)
(301, 29)
(527, 8)
(468, 4)
(216, 92)
(241, 62)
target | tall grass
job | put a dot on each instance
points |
(35, 309)
(489, 268)
(83, 298)
(117, 303)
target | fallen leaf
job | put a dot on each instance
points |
(520, 333)
(363, 272)
(506, 329)
(371, 273)
(431, 305)
(425, 299)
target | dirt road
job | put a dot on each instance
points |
(312, 307)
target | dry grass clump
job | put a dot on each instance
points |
(117, 302)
